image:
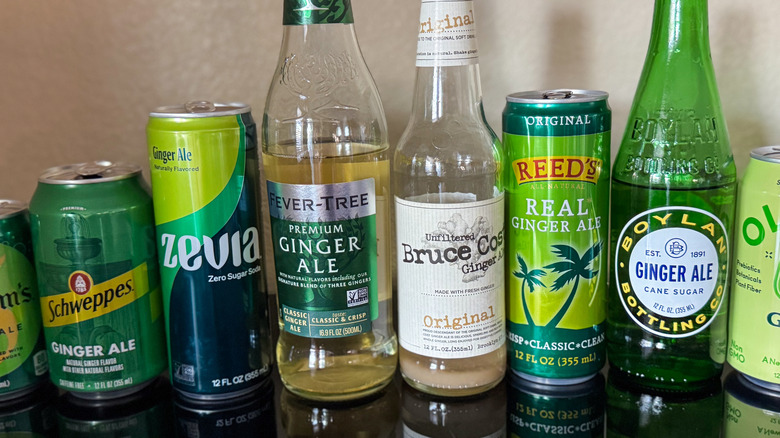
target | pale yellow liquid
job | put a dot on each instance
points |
(354, 366)
(453, 377)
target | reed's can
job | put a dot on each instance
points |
(23, 363)
(750, 410)
(556, 146)
(93, 236)
(205, 180)
(754, 317)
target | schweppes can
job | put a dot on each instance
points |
(556, 147)
(101, 304)
(205, 180)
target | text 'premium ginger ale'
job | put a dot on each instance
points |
(205, 179)
(556, 144)
(93, 234)
(672, 208)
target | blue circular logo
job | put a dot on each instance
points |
(676, 248)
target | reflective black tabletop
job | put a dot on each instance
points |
(607, 405)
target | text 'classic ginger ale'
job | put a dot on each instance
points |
(325, 157)
(673, 190)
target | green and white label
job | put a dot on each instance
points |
(671, 269)
(325, 249)
(302, 12)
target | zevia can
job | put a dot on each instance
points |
(754, 317)
(23, 363)
(556, 147)
(97, 274)
(205, 179)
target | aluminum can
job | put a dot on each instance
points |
(23, 363)
(538, 410)
(556, 146)
(93, 236)
(143, 414)
(32, 415)
(205, 180)
(754, 317)
(751, 410)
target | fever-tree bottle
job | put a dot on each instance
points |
(325, 157)
(449, 206)
(673, 191)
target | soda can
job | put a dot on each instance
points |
(251, 414)
(754, 317)
(538, 410)
(751, 410)
(205, 180)
(143, 414)
(93, 236)
(556, 146)
(23, 363)
(31, 415)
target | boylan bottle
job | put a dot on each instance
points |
(449, 217)
(673, 189)
(325, 158)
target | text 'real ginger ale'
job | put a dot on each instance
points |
(326, 162)
(754, 314)
(673, 187)
(205, 178)
(93, 235)
(556, 144)
(23, 363)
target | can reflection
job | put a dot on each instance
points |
(374, 416)
(537, 410)
(250, 415)
(427, 416)
(33, 415)
(750, 410)
(144, 414)
(635, 411)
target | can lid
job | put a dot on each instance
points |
(560, 95)
(11, 208)
(766, 153)
(89, 173)
(197, 109)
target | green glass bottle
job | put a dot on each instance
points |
(673, 188)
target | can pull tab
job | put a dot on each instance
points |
(93, 170)
(200, 106)
(557, 94)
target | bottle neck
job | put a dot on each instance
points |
(452, 91)
(680, 29)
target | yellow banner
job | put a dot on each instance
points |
(95, 300)
(557, 168)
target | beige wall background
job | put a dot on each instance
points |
(78, 78)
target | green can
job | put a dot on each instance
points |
(754, 317)
(205, 179)
(556, 146)
(30, 416)
(23, 363)
(750, 410)
(93, 237)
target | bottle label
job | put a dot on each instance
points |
(447, 34)
(300, 12)
(450, 277)
(671, 269)
(325, 250)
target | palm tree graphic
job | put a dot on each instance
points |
(573, 267)
(530, 278)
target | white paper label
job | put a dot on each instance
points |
(447, 34)
(450, 277)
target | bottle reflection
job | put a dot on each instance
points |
(144, 414)
(427, 416)
(33, 415)
(251, 415)
(750, 410)
(537, 410)
(635, 411)
(374, 416)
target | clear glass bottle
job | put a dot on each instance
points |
(673, 188)
(325, 159)
(449, 217)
